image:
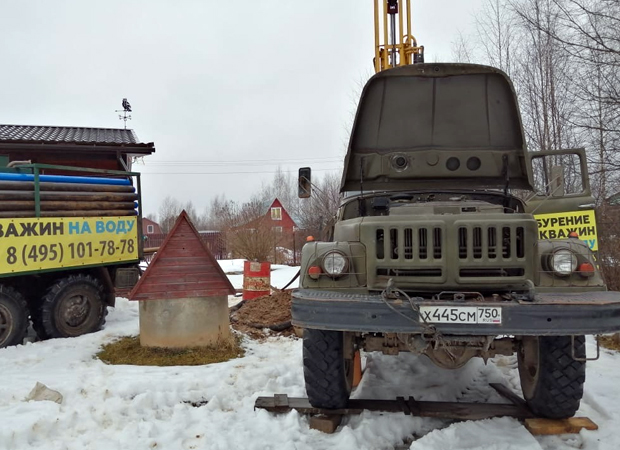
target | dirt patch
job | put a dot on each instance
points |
(264, 316)
(611, 342)
(128, 351)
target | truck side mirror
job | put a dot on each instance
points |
(304, 185)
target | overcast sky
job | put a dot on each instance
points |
(227, 90)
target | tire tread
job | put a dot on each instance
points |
(22, 306)
(324, 370)
(45, 315)
(560, 387)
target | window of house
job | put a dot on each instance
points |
(277, 229)
(150, 229)
(276, 213)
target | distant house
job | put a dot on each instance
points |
(150, 227)
(97, 148)
(279, 218)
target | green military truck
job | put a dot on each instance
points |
(436, 247)
(66, 243)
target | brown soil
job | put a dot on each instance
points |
(255, 317)
(611, 342)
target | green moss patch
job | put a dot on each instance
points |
(611, 342)
(128, 351)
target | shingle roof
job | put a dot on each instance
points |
(75, 135)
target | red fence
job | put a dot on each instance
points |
(214, 240)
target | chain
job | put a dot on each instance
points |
(391, 291)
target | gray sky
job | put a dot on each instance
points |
(226, 90)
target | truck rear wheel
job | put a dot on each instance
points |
(13, 317)
(72, 306)
(551, 380)
(328, 368)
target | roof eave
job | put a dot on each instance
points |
(21, 145)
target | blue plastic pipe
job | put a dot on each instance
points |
(64, 179)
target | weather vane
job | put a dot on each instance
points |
(126, 109)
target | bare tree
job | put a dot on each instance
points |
(318, 211)
(462, 50)
(169, 210)
(497, 34)
(250, 235)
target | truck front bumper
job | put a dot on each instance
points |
(549, 314)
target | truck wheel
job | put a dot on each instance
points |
(551, 380)
(328, 368)
(72, 306)
(13, 317)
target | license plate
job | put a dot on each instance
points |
(461, 314)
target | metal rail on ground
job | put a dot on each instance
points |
(327, 420)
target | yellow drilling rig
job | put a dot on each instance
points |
(394, 45)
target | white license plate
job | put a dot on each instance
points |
(461, 314)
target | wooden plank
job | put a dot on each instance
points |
(180, 294)
(280, 400)
(539, 426)
(173, 270)
(441, 410)
(182, 261)
(153, 288)
(325, 423)
(163, 277)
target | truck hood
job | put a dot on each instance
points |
(437, 125)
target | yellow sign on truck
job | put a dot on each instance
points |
(31, 244)
(560, 225)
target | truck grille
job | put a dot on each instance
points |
(451, 255)
(476, 242)
(409, 243)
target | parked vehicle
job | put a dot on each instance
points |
(436, 249)
(66, 243)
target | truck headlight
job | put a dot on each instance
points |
(563, 262)
(335, 263)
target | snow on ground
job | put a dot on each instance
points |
(126, 407)
(280, 275)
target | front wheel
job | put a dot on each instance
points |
(551, 380)
(328, 367)
(71, 307)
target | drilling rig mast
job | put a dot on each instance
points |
(398, 46)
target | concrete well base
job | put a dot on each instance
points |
(184, 322)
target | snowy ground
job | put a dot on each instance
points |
(127, 407)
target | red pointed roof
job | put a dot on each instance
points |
(182, 268)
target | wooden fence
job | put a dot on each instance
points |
(214, 240)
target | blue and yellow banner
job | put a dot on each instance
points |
(30, 244)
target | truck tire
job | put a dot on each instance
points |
(551, 380)
(328, 374)
(13, 317)
(72, 306)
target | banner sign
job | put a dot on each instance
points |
(49, 243)
(559, 225)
